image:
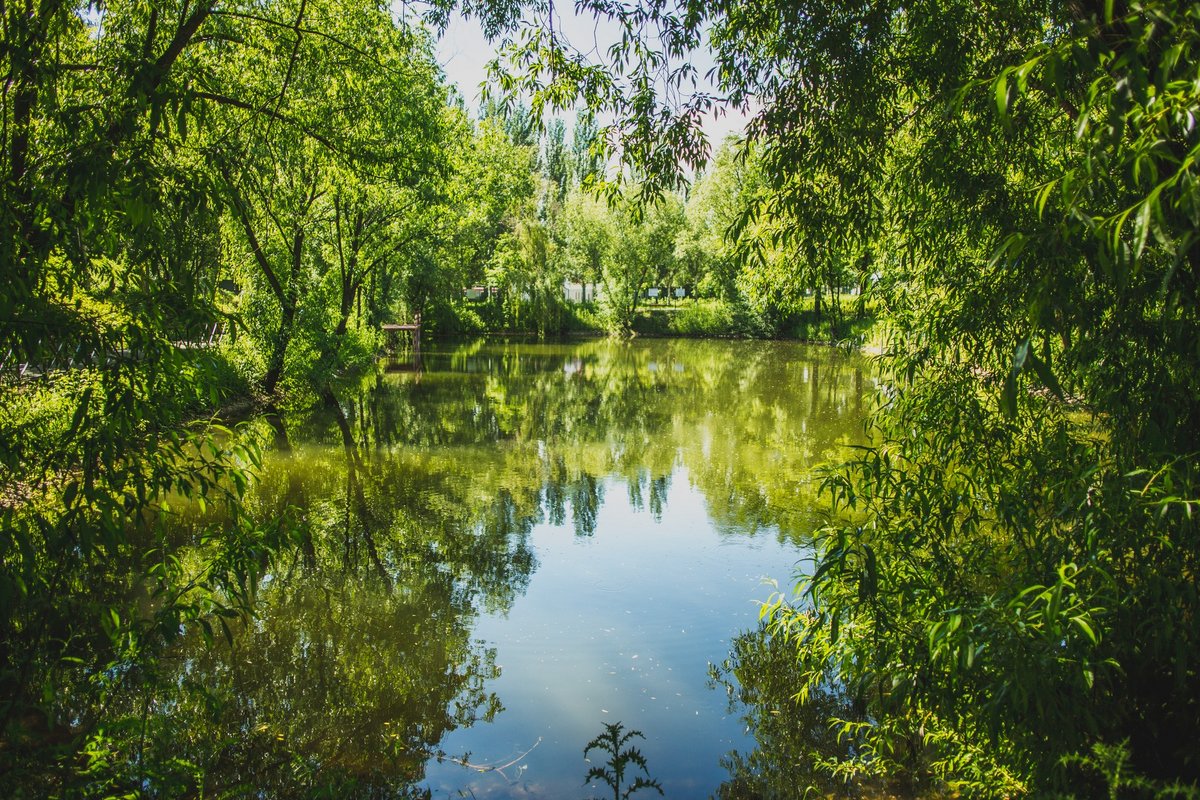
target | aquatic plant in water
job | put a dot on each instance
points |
(613, 773)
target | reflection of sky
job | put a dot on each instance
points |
(619, 626)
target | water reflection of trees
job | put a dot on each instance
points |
(412, 498)
(748, 420)
(360, 658)
(791, 739)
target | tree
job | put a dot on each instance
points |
(588, 231)
(716, 204)
(586, 154)
(643, 248)
(497, 181)
(526, 263)
(985, 591)
(139, 142)
(282, 187)
(555, 163)
(109, 236)
(290, 177)
(1013, 582)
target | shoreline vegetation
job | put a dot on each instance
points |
(694, 318)
(702, 318)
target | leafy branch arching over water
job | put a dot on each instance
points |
(1010, 586)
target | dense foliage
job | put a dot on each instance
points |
(1009, 592)
(206, 203)
(203, 201)
(159, 159)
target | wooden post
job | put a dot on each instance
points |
(414, 328)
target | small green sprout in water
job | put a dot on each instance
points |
(613, 773)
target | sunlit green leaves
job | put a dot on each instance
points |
(122, 130)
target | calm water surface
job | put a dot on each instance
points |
(517, 543)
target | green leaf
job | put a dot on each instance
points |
(1020, 355)
(1008, 396)
(80, 411)
(871, 570)
(1000, 90)
(1141, 228)
(1045, 374)
(1083, 625)
(1043, 196)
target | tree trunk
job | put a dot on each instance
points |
(288, 304)
(283, 338)
(349, 289)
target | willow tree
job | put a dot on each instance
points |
(108, 232)
(115, 145)
(1014, 594)
(334, 113)
(1014, 590)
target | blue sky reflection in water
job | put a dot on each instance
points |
(622, 623)
(516, 544)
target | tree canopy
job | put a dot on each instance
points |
(1011, 592)
(209, 201)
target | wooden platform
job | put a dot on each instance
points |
(394, 329)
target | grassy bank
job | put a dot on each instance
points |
(853, 323)
(720, 319)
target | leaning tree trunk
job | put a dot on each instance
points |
(289, 301)
(287, 326)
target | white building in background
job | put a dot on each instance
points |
(581, 292)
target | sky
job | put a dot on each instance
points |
(464, 53)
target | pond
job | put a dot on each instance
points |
(499, 552)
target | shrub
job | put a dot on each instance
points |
(703, 318)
